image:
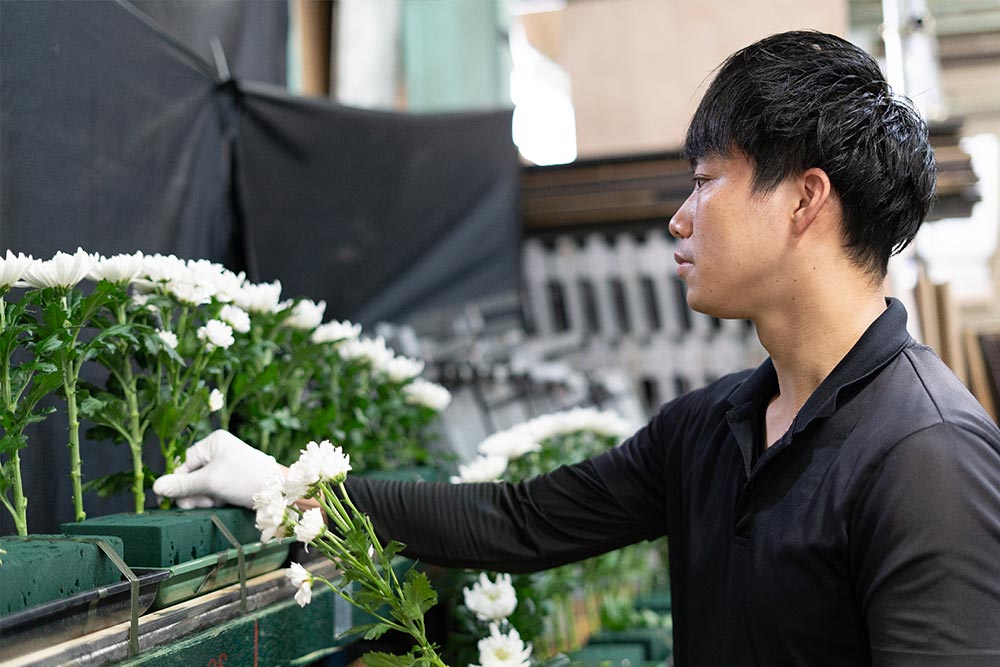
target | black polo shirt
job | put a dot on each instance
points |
(868, 534)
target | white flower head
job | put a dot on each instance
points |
(216, 400)
(63, 270)
(402, 369)
(188, 292)
(121, 269)
(259, 298)
(306, 315)
(159, 270)
(310, 526)
(168, 338)
(503, 650)
(428, 394)
(317, 462)
(481, 469)
(303, 581)
(216, 333)
(235, 317)
(371, 350)
(271, 506)
(510, 444)
(12, 267)
(491, 600)
(334, 331)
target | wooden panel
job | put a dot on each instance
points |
(649, 188)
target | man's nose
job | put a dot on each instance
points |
(680, 223)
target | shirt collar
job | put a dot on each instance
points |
(880, 343)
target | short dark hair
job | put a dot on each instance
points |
(804, 99)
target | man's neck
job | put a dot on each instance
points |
(806, 339)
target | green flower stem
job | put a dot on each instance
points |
(135, 428)
(19, 511)
(69, 385)
(392, 624)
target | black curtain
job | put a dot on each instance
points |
(382, 215)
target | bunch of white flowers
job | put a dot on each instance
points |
(318, 462)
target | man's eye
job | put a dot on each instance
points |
(698, 181)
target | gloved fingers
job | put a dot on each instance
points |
(202, 452)
(183, 484)
(191, 502)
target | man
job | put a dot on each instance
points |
(840, 504)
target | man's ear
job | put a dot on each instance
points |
(815, 193)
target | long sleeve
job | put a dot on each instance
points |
(563, 516)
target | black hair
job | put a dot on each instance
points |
(804, 99)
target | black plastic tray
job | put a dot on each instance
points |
(60, 620)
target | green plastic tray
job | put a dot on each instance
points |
(208, 573)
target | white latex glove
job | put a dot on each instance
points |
(220, 469)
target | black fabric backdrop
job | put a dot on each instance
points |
(117, 134)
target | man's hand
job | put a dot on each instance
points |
(221, 469)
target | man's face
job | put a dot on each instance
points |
(732, 242)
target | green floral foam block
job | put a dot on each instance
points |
(41, 568)
(163, 538)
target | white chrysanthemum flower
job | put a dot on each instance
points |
(63, 270)
(334, 331)
(428, 394)
(216, 400)
(491, 600)
(120, 269)
(306, 315)
(228, 285)
(317, 462)
(402, 369)
(510, 444)
(271, 506)
(481, 469)
(371, 350)
(235, 317)
(216, 333)
(259, 298)
(189, 293)
(503, 650)
(169, 338)
(303, 581)
(12, 267)
(158, 270)
(310, 526)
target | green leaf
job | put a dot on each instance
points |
(110, 485)
(417, 591)
(377, 659)
(376, 631)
